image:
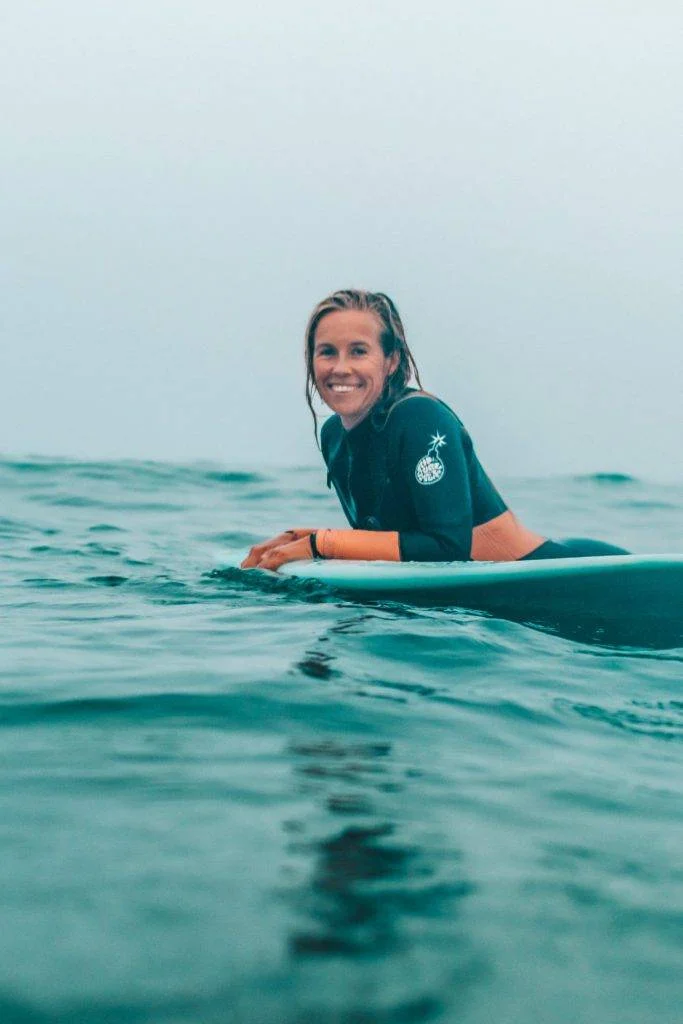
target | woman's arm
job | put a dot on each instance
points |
(429, 450)
(307, 544)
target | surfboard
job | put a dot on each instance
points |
(392, 577)
(642, 590)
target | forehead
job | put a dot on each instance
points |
(349, 325)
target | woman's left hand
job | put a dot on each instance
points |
(295, 551)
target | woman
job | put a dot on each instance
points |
(400, 460)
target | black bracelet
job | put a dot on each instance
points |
(314, 546)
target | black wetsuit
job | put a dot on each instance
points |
(414, 470)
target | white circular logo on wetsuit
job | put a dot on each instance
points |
(430, 468)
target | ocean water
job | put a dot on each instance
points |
(228, 798)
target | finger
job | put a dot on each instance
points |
(253, 558)
(286, 537)
(257, 552)
(272, 559)
(295, 551)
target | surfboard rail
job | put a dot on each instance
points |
(425, 576)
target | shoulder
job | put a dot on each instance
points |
(418, 409)
(420, 421)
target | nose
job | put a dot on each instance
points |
(342, 363)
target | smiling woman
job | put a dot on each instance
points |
(402, 464)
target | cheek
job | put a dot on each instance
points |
(382, 373)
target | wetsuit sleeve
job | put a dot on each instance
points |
(370, 545)
(430, 456)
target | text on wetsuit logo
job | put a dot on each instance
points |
(430, 468)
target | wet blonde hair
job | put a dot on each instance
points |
(392, 339)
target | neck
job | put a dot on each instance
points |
(349, 422)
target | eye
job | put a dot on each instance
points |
(324, 350)
(359, 350)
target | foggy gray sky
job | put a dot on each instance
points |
(181, 182)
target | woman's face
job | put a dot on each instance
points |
(349, 365)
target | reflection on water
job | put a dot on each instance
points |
(370, 892)
(351, 917)
(370, 886)
(355, 889)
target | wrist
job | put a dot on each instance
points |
(315, 551)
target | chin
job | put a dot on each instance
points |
(344, 408)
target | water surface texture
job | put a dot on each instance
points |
(231, 798)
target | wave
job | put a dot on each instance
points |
(650, 505)
(18, 528)
(115, 469)
(233, 477)
(659, 720)
(271, 583)
(607, 478)
(260, 707)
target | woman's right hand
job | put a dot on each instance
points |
(257, 552)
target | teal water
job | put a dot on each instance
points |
(225, 798)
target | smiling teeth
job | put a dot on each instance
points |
(343, 387)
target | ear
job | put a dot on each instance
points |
(394, 360)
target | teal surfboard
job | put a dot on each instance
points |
(460, 577)
(643, 591)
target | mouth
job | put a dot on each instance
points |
(343, 389)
